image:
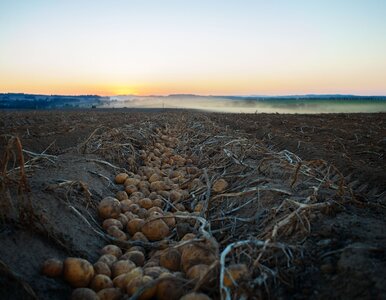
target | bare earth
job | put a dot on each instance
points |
(312, 186)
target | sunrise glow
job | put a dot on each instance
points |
(201, 47)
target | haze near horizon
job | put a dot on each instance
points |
(200, 47)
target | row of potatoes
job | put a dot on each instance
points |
(137, 213)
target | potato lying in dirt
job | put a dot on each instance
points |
(121, 177)
(52, 267)
(155, 229)
(109, 207)
(219, 185)
(197, 272)
(134, 225)
(171, 259)
(169, 288)
(123, 280)
(235, 273)
(139, 283)
(194, 254)
(122, 267)
(136, 257)
(102, 268)
(112, 249)
(101, 282)
(110, 294)
(84, 294)
(77, 271)
(121, 195)
(117, 233)
(108, 259)
(111, 222)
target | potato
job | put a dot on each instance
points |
(130, 189)
(123, 280)
(175, 196)
(77, 271)
(151, 263)
(153, 195)
(136, 257)
(219, 186)
(171, 259)
(155, 177)
(158, 203)
(195, 296)
(144, 185)
(102, 268)
(122, 267)
(134, 225)
(52, 267)
(155, 271)
(111, 222)
(112, 249)
(84, 294)
(155, 209)
(170, 288)
(165, 194)
(195, 184)
(138, 283)
(235, 273)
(170, 220)
(123, 219)
(109, 207)
(194, 254)
(108, 259)
(110, 294)
(117, 233)
(146, 203)
(157, 186)
(121, 177)
(138, 195)
(133, 286)
(143, 213)
(134, 208)
(139, 236)
(101, 282)
(131, 181)
(137, 248)
(129, 215)
(188, 236)
(121, 195)
(125, 205)
(197, 272)
(155, 230)
(199, 207)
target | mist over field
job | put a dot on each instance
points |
(237, 104)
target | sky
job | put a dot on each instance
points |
(206, 47)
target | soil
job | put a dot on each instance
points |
(342, 257)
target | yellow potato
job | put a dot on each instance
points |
(77, 271)
(112, 249)
(101, 282)
(84, 294)
(52, 267)
(109, 207)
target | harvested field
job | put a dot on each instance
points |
(235, 206)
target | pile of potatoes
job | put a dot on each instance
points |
(138, 212)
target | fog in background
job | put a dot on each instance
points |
(248, 105)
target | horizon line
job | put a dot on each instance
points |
(199, 95)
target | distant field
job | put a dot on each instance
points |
(311, 104)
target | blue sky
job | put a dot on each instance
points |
(206, 47)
